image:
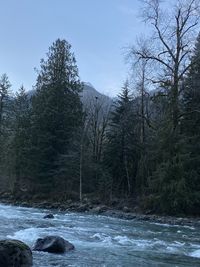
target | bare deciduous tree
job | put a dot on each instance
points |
(94, 127)
(99, 116)
(170, 46)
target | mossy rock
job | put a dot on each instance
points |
(15, 253)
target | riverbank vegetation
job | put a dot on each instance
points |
(143, 147)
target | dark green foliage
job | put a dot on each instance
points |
(191, 127)
(4, 102)
(21, 139)
(56, 115)
(5, 129)
(175, 172)
(167, 182)
(122, 151)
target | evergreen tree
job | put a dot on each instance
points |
(122, 150)
(21, 140)
(4, 103)
(191, 129)
(56, 115)
(5, 126)
(174, 179)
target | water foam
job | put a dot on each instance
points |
(105, 239)
(195, 254)
(28, 235)
(123, 240)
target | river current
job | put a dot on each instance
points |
(103, 241)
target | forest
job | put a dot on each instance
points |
(143, 146)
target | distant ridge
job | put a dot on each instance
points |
(90, 94)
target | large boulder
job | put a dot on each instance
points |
(14, 253)
(53, 244)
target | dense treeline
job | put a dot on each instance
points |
(143, 147)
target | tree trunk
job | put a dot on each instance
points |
(81, 172)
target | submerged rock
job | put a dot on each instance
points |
(53, 244)
(14, 253)
(49, 216)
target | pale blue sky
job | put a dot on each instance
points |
(98, 30)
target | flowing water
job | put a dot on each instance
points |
(103, 241)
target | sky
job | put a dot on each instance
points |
(98, 30)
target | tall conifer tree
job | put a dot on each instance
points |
(21, 139)
(56, 113)
(122, 151)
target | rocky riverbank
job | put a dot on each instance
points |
(124, 212)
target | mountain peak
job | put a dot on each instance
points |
(88, 84)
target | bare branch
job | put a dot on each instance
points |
(162, 39)
(190, 27)
(151, 57)
(188, 113)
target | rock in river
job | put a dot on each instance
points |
(48, 216)
(53, 244)
(15, 253)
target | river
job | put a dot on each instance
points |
(103, 241)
